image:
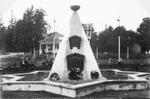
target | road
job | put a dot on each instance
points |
(10, 55)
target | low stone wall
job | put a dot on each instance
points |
(74, 90)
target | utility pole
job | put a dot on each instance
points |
(128, 48)
(34, 48)
(97, 52)
(54, 39)
(119, 42)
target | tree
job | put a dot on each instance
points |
(93, 42)
(20, 37)
(30, 30)
(132, 38)
(2, 36)
(10, 35)
(108, 39)
(144, 31)
(123, 38)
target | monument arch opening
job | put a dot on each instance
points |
(75, 65)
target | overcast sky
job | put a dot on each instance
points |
(98, 12)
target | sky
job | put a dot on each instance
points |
(98, 12)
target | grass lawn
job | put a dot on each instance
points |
(127, 67)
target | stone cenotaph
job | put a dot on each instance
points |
(75, 59)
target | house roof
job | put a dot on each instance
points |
(50, 38)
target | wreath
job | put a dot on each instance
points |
(94, 75)
(54, 77)
(75, 74)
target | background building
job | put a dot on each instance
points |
(89, 30)
(46, 45)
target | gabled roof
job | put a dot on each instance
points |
(56, 34)
(50, 37)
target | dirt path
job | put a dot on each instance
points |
(10, 55)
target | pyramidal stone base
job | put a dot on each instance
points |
(26, 82)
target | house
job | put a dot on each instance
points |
(47, 44)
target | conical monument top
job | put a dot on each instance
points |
(75, 7)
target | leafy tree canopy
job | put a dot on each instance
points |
(2, 35)
(107, 40)
(144, 31)
(30, 29)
